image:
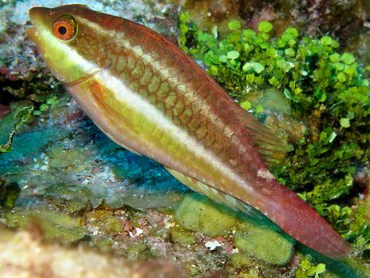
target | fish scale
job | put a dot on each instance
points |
(148, 96)
(199, 125)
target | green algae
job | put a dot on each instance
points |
(240, 260)
(307, 268)
(49, 103)
(324, 94)
(271, 99)
(181, 236)
(63, 227)
(198, 213)
(61, 157)
(265, 244)
(55, 225)
(103, 243)
(137, 250)
(72, 198)
(105, 220)
(164, 200)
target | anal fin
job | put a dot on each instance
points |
(214, 194)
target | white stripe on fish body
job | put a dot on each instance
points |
(140, 112)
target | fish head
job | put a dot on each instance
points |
(65, 41)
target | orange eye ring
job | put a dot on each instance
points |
(65, 27)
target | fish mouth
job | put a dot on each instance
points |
(36, 15)
(31, 33)
(40, 32)
(37, 12)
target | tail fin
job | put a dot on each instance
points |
(299, 220)
(287, 210)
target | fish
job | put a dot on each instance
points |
(149, 97)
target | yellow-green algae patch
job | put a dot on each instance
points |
(198, 213)
(62, 158)
(264, 244)
(137, 250)
(181, 236)
(105, 220)
(55, 225)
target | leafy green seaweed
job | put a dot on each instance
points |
(327, 95)
(307, 268)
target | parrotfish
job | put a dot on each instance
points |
(148, 96)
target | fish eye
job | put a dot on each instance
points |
(65, 27)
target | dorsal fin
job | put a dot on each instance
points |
(78, 6)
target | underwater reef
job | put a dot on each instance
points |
(302, 69)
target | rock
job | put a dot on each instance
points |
(23, 254)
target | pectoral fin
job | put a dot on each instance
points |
(268, 144)
(120, 143)
(98, 93)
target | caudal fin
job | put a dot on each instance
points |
(299, 220)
